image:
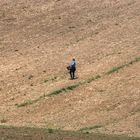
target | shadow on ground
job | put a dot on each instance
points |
(22, 133)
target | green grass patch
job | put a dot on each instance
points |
(116, 69)
(93, 78)
(50, 130)
(63, 90)
(90, 128)
(30, 102)
(6, 126)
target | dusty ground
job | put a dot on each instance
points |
(38, 38)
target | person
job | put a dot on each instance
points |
(72, 68)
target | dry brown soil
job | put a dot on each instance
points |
(38, 38)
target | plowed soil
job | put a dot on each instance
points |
(38, 39)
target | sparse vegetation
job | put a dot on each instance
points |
(116, 69)
(49, 133)
(28, 102)
(50, 130)
(39, 38)
(65, 89)
(56, 92)
(90, 128)
(45, 81)
(74, 86)
(93, 78)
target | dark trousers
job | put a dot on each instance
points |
(72, 73)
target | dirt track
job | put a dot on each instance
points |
(39, 38)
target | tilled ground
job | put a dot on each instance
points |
(39, 38)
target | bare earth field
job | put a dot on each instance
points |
(38, 38)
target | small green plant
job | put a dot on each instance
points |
(74, 86)
(56, 92)
(97, 77)
(116, 69)
(50, 130)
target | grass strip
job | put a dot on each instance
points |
(30, 102)
(53, 93)
(65, 89)
(90, 128)
(116, 69)
(93, 79)
(59, 91)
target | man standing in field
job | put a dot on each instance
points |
(72, 68)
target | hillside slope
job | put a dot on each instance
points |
(39, 38)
